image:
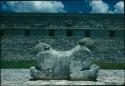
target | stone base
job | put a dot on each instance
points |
(85, 75)
(20, 77)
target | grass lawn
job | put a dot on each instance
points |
(29, 63)
(18, 64)
(109, 65)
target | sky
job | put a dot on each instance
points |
(63, 6)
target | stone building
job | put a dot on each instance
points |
(21, 31)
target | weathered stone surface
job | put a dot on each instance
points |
(20, 77)
(86, 75)
(20, 48)
(53, 64)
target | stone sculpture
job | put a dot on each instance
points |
(74, 64)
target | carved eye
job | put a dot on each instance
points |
(46, 47)
(81, 42)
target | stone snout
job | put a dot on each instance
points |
(74, 64)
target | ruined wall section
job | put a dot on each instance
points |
(20, 32)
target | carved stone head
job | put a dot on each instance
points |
(42, 47)
(88, 42)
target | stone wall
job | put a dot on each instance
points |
(16, 46)
(60, 21)
(63, 32)
(20, 48)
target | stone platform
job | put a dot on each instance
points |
(20, 77)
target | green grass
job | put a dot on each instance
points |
(109, 65)
(18, 64)
(29, 63)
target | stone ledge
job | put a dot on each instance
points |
(20, 77)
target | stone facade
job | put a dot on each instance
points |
(20, 48)
(21, 32)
